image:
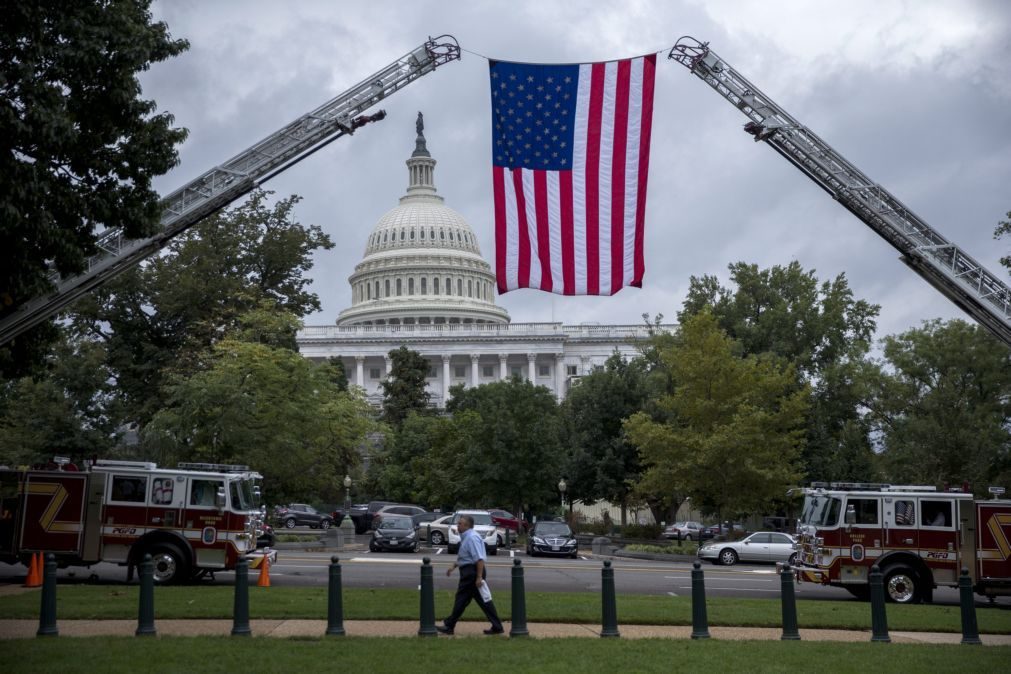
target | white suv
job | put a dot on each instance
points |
(483, 525)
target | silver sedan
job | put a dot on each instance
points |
(763, 546)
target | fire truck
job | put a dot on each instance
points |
(193, 520)
(918, 536)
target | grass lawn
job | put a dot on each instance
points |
(351, 654)
(211, 601)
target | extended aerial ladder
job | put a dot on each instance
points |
(225, 183)
(950, 270)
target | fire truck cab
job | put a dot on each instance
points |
(918, 536)
(192, 520)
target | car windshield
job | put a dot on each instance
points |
(396, 523)
(479, 519)
(821, 510)
(553, 529)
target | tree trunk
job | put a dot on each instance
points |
(624, 512)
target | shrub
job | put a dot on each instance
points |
(680, 549)
(645, 531)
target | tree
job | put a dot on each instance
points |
(944, 406)
(509, 443)
(1002, 229)
(404, 390)
(824, 332)
(78, 146)
(268, 407)
(602, 464)
(734, 427)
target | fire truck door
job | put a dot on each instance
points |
(902, 519)
(53, 516)
(168, 496)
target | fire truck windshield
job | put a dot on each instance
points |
(243, 497)
(821, 511)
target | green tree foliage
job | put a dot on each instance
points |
(944, 406)
(161, 317)
(602, 464)
(824, 332)
(507, 444)
(733, 431)
(404, 389)
(1003, 229)
(266, 406)
(78, 145)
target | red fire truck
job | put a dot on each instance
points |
(919, 537)
(196, 519)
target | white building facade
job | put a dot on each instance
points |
(424, 284)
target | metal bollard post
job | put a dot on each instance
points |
(970, 632)
(700, 621)
(145, 610)
(610, 608)
(518, 626)
(47, 612)
(789, 598)
(879, 621)
(335, 601)
(427, 627)
(240, 610)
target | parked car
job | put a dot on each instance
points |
(394, 532)
(724, 530)
(689, 531)
(483, 525)
(301, 514)
(397, 509)
(439, 528)
(362, 514)
(552, 538)
(421, 519)
(762, 546)
(504, 519)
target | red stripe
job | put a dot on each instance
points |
(568, 236)
(645, 126)
(523, 276)
(543, 232)
(592, 176)
(618, 175)
(498, 179)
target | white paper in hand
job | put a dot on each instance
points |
(485, 592)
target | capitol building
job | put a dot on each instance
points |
(423, 283)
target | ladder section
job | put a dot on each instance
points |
(230, 180)
(977, 291)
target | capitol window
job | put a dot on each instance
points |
(487, 371)
(449, 286)
(402, 234)
(422, 234)
(435, 285)
(399, 288)
(470, 288)
(442, 234)
(410, 286)
(424, 283)
(387, 287)
(450, 235)
(373, 373)
(385, 236)
(412, 234)
(543, 370)
(459, 371)
(459, 287)
(571, 370)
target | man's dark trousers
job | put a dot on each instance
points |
(466, 591)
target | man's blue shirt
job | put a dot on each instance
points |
(471, 548)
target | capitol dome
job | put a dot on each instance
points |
(422, 263)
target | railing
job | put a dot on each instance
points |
(352, 332)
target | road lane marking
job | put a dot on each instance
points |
(732, 589)
(380, 560)
(673, 594)
(732, 580)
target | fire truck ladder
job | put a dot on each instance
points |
(950, 270)
(221, 185)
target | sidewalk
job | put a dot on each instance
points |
(25, 629)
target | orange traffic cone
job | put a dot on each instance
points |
(264, 580)
(34, 577)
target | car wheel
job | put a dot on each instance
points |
(792, 560)
(728, 557)
(289, 523)
(901, 585)
(500, 540)
(372, 547)
(688, 537)
(437, 538)
(574, 555)
(325, 524)
(169, 563)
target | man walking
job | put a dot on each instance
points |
(470, 559)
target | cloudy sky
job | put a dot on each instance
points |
(916, 94)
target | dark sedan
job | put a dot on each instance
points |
(394, 533)
(295, 514)
(552, 538)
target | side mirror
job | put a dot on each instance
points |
(219, 498)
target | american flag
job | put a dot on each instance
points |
(570, 149)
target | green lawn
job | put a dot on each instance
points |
(210, 601)
(351, 654)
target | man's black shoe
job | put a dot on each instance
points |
(442, 629)
(494, 631)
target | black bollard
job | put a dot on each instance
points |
(518, 627)
(970, 632)
(47, 612)
(240, 624)
(145, 611)
(610, 608)
(700, 621)
(789, 598)
(335, 601)
(879, 621)
(427, 627)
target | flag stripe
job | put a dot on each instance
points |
(555, 230)
(592, 176)
(646, 122)
(543, 236)
(523, 243)
(568, 242)
(579, 197)
(618, 175)
(631, 170)
(498, 180)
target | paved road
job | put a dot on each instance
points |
(364, 569)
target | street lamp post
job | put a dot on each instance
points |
(561, 489)
(346, 522)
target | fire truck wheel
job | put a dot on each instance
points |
(901, 585)
(290, 523)
(728, 557)
(169, 563)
